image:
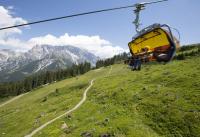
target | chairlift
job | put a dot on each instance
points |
(153, 43)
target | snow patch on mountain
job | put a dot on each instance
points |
(41, 58)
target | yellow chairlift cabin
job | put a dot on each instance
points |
(153, 43)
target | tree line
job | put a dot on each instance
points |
(110, 61)
(43, 78)
(182, 53)
(187, 51)
(37, 80)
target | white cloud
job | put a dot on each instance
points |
(10, 7)
(14, 43)
(6, 19)
(94, 44)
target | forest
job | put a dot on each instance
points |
(37, 80)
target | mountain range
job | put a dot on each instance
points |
(17, 65)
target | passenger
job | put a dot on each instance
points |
(137, 63)
(131, 63)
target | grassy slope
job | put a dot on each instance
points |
(160, 100)
(2, 100)
(30, 111)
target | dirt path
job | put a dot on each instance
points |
(11, 100)
(69, 111)
(98, 69)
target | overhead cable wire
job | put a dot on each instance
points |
(64, 17)
(153, 2)
(79, 14)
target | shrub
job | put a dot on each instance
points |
(44, 99)
(180, 57)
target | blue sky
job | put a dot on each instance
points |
(115, 26)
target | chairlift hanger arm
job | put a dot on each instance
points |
(137, 10)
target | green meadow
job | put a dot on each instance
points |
(158, 101)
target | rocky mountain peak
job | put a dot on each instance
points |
(41, 58)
